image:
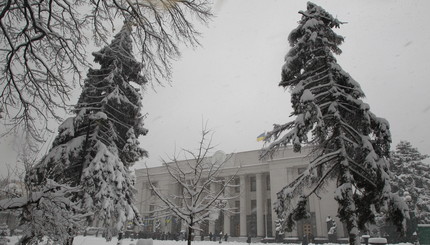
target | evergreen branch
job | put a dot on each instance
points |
(324, 158)
(304, 76)
(323, 179)
(363, 170)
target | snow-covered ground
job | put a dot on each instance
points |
(91, 240)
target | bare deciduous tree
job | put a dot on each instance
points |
(202, 192)
(42, 41)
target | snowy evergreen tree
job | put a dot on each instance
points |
(351, 144)
(202, 192)
(96, 148)
(44, 48)
(411, 178)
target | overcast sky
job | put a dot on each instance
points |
(232, 80)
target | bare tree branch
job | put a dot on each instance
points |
(43, 42)
(203, 193)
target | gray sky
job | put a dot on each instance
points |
(232, 80)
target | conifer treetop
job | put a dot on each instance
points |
(351, 144)
(121, 48)
(95, 149)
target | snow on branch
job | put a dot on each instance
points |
(350, 143)
(201, 191)
(45, 42)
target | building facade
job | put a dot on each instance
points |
(256, 185)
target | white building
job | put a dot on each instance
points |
(258, 181)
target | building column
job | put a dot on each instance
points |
(212, 222)
(243, 206)
(227, 216)
(260, 207)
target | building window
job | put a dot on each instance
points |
(268, 217)
(237, 185)
(253, 206)
(237, 206)
(151, 209)
(301, 170)
(253, 183)
(148, 227)
(268, 182)
(269, 206)
(155, 184)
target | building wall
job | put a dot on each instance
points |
(254, 215)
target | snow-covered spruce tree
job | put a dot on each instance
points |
(411, 178)
(95, 149)
(202, 193)
(351, 145)
(45, 42)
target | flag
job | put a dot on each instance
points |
(261, 137)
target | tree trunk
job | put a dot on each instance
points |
(26, 239)
(69, 241)
(190, 231)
